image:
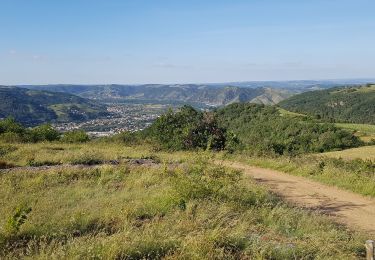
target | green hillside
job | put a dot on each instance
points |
(355, 104)
(33, 107)
(243, 126)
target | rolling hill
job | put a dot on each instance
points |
(187, 93)
(350, 104)
(32, 107)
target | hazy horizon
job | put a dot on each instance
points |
(360, 80)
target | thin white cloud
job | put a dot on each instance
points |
(165, 65)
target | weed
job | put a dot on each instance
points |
(18, 218)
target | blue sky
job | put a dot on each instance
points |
(139, 41)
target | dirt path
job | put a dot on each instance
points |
(353, 210)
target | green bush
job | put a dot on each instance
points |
(43, 132)
(75, 136)
(128, 138)
(12, 132)
(187, 129)
(9, 125)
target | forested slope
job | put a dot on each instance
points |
(354, 104)
(33, 107)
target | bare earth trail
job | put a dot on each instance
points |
(355, 211)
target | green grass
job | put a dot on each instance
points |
(190, 210)
(364, 131)
(284, 112)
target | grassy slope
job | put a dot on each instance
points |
(194, 211)
(287, 113)
(364, 153)
(365, 131)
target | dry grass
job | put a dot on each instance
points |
(63, 153)
(364, 153)
(192, 211)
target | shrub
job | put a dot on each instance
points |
(187, 129)
(128, 138)
(12, 132)
(43, 133)
(75, 136)
(9, 125)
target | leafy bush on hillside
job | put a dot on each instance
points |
(13, 132)
(126, 138)
(253, 127)
(43, 133)
(75, 136)
(9, 125)
(187, 129)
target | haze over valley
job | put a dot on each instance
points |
(108, 109)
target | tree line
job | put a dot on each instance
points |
(11, 131)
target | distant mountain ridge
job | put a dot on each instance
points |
(351, 104)
(189, 93)
(32, 107)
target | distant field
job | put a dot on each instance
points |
(364, 131)
(364, 153)
(284, 112)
